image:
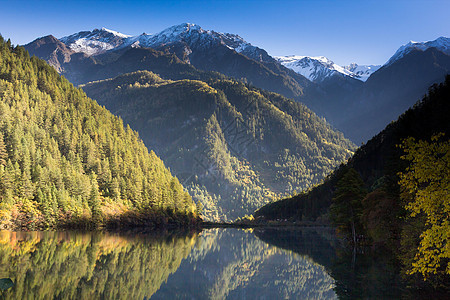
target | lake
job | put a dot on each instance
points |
(266, 263)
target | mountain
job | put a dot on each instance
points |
(233, 146)
(378, 161)
(392, 193)
(442, 44)
(51, 50)
(64, 160)
(391, 90)
(207, 50)
(362, 72)
(226, 53)
(94, 42)
(361, 111)
(320, 68)
(191, 35)
(81, 68)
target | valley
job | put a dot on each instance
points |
(224, 153)
(280, 150)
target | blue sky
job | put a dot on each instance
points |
(365, 31)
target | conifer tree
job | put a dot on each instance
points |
(52, 136)
(346, 208)
(3, 152)
(94, 199)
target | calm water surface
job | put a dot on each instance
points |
(213, 264)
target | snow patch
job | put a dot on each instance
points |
(98, 41)
(318, 68)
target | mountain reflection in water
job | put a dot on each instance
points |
(213, 264)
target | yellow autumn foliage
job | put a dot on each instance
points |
(427, 182)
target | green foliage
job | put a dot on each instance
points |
(234, 147)
(379, 217)
(3, 151)
(384, 218)
(426, 181)
(346, 207)
(6, 283)
(65, 159)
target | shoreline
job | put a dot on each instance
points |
(208, 225)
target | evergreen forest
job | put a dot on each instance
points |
(66, 161)
(393, 193)
(234, 147)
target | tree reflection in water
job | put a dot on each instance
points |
(71, 265)
(215, 264)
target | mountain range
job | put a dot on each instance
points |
(358, 100)
(320, 68)
(225, 71)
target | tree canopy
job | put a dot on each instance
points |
(426, 184)
(64, 159)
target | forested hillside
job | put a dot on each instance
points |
(64, 159)
(379, 159)
(393, 192)
(234, 147)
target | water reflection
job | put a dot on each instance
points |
(358, 274)
(70, 265)
(213, 264)
(235, 264)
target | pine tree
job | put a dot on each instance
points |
(52, 136)
(346, 208)
(3, 152)
(94, 200)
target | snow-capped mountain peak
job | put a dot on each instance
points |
(318, 68)
(192, 35)
(441, 43)
(363, 71)
(177, 33)
(94, 42)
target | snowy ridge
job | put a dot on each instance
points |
(319, 68)
(363, 71)
(192, 35)
(101, 40)
(94, 42)
(441, 43)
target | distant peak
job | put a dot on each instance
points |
(441, 43)
(48, 37)
(186, 26)
(318, 68)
